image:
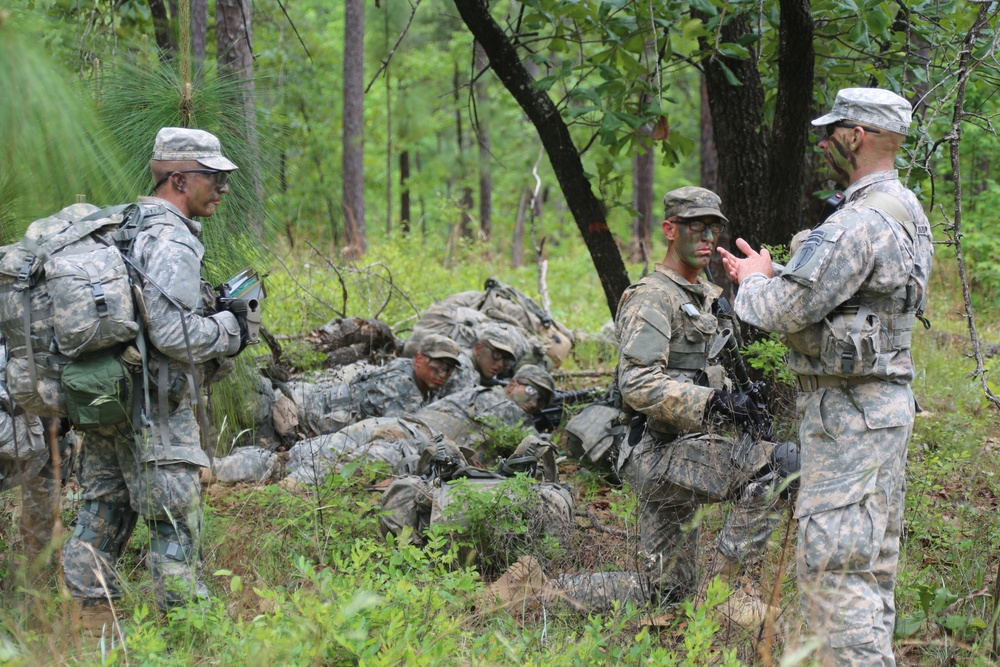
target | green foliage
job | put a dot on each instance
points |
(499, 524)
(502, 438)
(768, 356)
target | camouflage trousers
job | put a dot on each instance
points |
(121, 481)
(850, 511)
(671, 479)
(386, 439)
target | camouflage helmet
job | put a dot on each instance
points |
(434, 346)
(692, 202)
(870, 106)
(184, 144)
(539, 378)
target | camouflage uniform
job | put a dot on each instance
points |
(387, 391)
(863, 272)
(155, 470)
(664, 324)
(24, 462)
(465, 418)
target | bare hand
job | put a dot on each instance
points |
(754, 262)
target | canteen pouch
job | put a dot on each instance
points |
(851, 342)
(98, 391)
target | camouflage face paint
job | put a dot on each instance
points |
(840, 158)
(692, 249)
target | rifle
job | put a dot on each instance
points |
(731, 341)
(548, 419)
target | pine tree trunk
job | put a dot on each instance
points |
(353, 144)
(483, 139)
(404, 191)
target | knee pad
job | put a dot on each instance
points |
(111, 532)
(169, 542)
(786, 460)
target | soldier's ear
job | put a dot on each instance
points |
(669, 228)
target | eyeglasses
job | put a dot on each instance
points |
(850, 126)
(440, 367)
(499, 355)
(529, 389)
(699, 225)
(221, 178)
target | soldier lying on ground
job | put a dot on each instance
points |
(467, 418)
(493, 355)
(401, 386)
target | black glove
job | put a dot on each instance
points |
(737, 408)
(240, 308)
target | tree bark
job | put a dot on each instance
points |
(199, 33)
(762, 173)
(587, 210)
(353, 144)
(483, 139)
(234, 47)
(517, 241)
(404, 191)
(161, 29)
(643, 170)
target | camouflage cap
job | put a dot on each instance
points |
(499, 338)
(183, 144)
(538, 378)
(692, 202)
(435, 346)
(870, 106)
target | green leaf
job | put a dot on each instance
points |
(859, 35)
(877, 19)
(730, 77)
(704, 6)
(734, 50)
(576, 112)
(910, 624)
(693, 29)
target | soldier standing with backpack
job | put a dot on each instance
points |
(153, 468)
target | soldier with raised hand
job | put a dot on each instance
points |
(153, 468)
(846, 305)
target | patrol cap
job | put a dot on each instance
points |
(692, 202)
(499, 338)
(435, 346)
(182, 144)
(538, 378)
(870, 106)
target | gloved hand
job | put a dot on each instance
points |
(240, 308)
(737, 408)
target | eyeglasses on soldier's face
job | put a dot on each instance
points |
(850, 126)
(499, 355)
(221, 178)
(440, 368)
(699, 225)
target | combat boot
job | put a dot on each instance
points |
(96, 618)
(524, 582)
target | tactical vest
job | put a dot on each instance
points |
(859, 333)
(690, 352)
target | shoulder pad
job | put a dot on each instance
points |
(813, 253)
(646, 342)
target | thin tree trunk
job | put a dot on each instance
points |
(161, 29)
(388, 133)
(465, 201)
(199, 33)
(483, 138)
(517, 241)
(353, 144)
(643, 170)
(235, 55)
(404, 191)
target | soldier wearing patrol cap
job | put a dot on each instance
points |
(493, 354)
(846, 305)
(677, 455)
(152, 468)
